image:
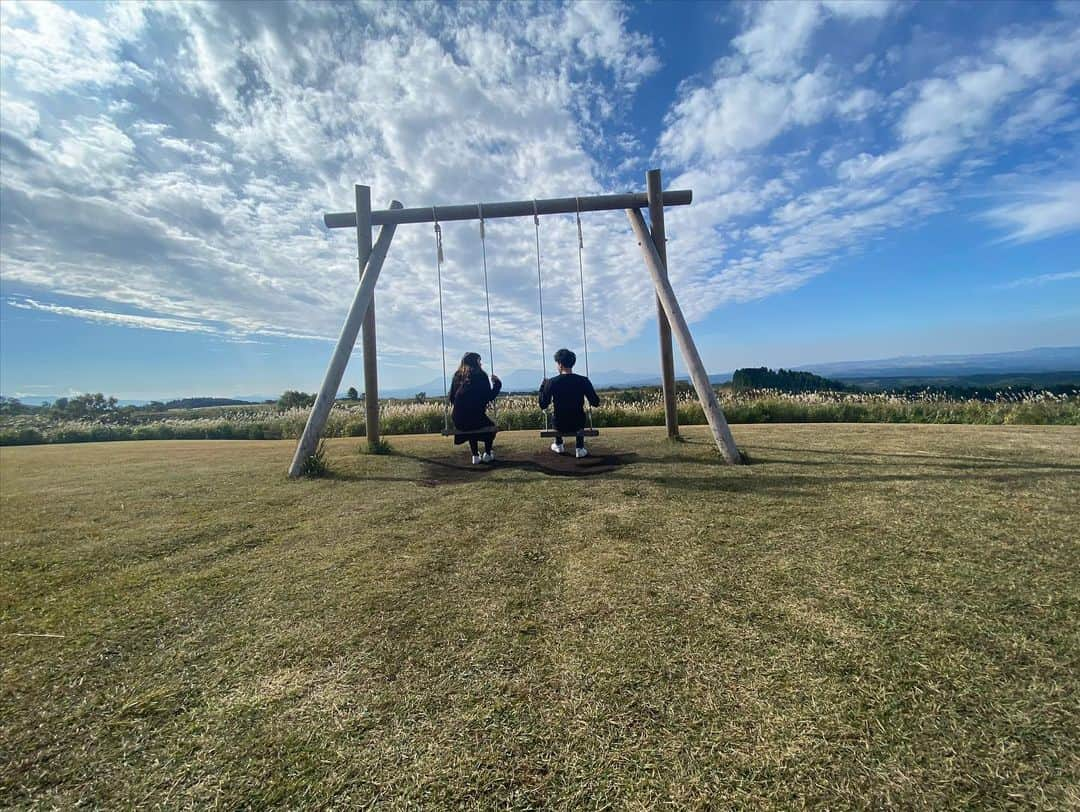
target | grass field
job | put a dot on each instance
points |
(867, 616)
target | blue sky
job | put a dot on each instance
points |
(870, 180)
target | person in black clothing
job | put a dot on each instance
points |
(569, 393)
(470, 393)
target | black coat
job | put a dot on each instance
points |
(568, 392)
(469, 398)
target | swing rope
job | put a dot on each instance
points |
(440, 259)
(540, 291)
(442, 328)
(581, 280)
(487, 303)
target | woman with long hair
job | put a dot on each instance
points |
(470, 393)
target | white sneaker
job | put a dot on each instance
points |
(558, 448)
(475, 459)
(581, 452)
(488, 456)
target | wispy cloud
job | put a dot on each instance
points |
(200, 200)
(1043, 210)
(1038, 281)
(776, 201)
(51, 48)
(118, 319)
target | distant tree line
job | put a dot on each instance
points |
(291, 399)
(784, 380)
(74, 408)
(196, 403)
(15, 406)
(97, 406)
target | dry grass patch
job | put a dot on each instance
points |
(867, 616)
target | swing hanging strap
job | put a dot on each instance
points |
(540, 292)
(540, 289)
(487, 301)
(442, 327)
(581, 280)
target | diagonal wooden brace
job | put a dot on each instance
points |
(324, 401)
(698, 376)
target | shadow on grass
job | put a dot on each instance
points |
(440, 472)
(447, 470)
(457, 469)
(692, 474)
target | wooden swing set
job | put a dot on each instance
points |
(449, 431)
(371, 256)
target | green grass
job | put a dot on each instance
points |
(868, 616)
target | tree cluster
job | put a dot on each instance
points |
(83, 406)
(784, 380)
(291, 399)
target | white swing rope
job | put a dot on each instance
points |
(487, 304)
(442, 329)
(540, 291)
(581, 280)
(439, 259)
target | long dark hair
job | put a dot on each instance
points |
(470, 365)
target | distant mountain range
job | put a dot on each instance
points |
(908, 368)
(1041, 359)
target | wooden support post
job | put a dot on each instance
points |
(705, 392)
(370, 352)
(324, 401)
(667, 355)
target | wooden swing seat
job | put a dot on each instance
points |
(470, 432)
(581, 433)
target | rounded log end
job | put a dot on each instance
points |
(342, 219)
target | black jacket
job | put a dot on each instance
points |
(569, 393)
(469, 399)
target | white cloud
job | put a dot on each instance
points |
(924, 155)
(599, 32)
(1050, 51)
(17, 117)
(93, 149)
(766, 88)
(48, 47)
(779, 36)
(780, 33)
(213, 217)
(117, 319)
(962, 108)
(960, 105)
(1044, 211)
(1040, 280)
(859, 103)
(860, 9)
(737, 114)
(1042, 112)
(771, 223)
